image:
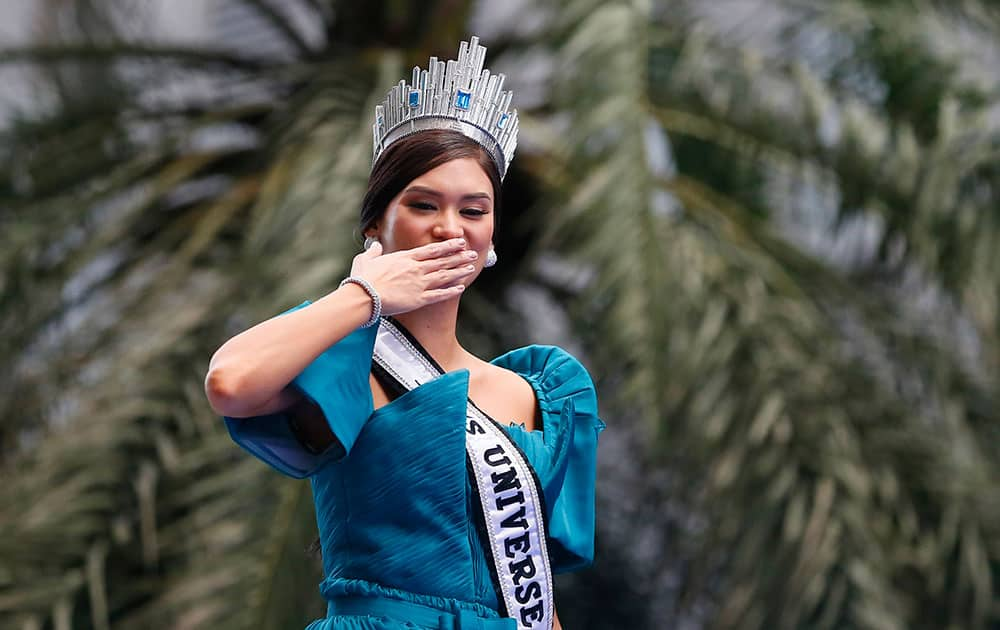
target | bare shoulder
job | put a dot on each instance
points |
(503, 377)
(503, 394)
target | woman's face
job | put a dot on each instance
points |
(450, 201)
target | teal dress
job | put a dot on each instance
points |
(394, 505)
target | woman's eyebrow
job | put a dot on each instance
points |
(434, 193)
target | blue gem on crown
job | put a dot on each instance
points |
(503, 121)
(414, 98)
(463, 99)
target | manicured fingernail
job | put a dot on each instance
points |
(461, 242)
(471, 254)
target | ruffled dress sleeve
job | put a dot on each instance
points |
(337, 382)
(564, 452)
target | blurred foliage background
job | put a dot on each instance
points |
(770, 228)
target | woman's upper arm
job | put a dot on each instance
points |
(284, 399)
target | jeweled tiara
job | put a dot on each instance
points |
(459, 95)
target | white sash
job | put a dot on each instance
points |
(510, 496)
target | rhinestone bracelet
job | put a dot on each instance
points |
(370, 290)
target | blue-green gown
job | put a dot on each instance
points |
(395, 513)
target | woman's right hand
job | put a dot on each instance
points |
(411, 278)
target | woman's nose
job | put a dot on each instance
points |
(447, 226)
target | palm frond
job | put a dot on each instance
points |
(755, 389)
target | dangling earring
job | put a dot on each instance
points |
(369, 241)
(491, 257)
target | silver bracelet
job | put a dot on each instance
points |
(372, 293)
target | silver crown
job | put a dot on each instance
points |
(460, 96)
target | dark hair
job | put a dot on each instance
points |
(412, 156)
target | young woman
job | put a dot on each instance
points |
(448, 489)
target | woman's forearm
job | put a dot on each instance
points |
(249, 374)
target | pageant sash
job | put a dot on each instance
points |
(509, 495)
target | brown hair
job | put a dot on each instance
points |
(412, 156)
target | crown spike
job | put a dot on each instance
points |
(449, 75)
(390, 110)
(477, 106)
(480, 59)
(512, 132)
(432, 69)
(491, 89)
(505, 101)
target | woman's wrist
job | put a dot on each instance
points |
(372, 295)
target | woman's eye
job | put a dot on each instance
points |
(420, 205)
(474, 211)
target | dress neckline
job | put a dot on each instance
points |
(536, 389)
